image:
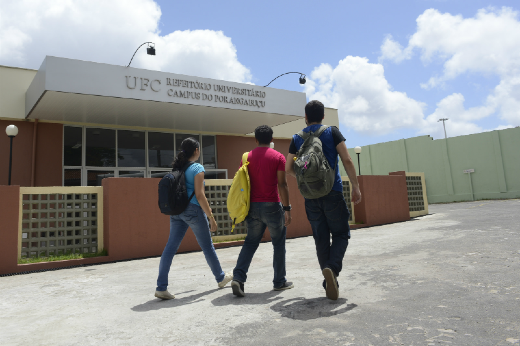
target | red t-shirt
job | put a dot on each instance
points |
(264, 164)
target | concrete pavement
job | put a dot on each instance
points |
(451, 277)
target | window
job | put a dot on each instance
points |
(93, 154)
(100, 147)
(160, 149)
(72, 141)
(130, 148)
(209, 152)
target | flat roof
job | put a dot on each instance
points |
(87, 92)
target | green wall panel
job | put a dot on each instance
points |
(494, 155)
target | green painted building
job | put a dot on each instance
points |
(494, 156)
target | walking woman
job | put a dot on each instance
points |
(195, 217)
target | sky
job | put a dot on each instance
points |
(391, 68)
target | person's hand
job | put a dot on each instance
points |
(288, 218)
(356, 195)
(213, 224)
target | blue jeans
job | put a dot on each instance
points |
(195, 218)
(262, 215)
(328, 216)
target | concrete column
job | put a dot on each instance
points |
(499, 164)
(404, 159)
(447, 167)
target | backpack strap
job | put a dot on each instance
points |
(303, 135)
(244, 158)
(319, 131)
(186, 166)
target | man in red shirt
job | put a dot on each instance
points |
(267, 176)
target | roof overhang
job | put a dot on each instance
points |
(66, 90)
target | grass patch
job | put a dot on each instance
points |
(65, 257)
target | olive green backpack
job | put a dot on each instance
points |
(314, 175)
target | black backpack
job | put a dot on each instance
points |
(173, 195)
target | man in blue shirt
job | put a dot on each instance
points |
(328, 215)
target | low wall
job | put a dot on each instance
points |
(135, 228)
(384, 200)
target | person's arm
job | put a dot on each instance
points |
(203, 201)
(283, 190)
(289, 165)
(351, 171)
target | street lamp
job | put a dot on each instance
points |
(11, 132)
(302, 79)
(444, 125)
(150, 50)
(358, 151)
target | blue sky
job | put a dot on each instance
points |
(387, 49)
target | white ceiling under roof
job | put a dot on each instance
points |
(66, 90)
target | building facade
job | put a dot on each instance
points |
(80, 122)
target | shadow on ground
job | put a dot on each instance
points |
(249, 299)
(308, 309)
(156, 304)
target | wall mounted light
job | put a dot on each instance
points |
(302, 79)
(150, 50)
(11, 132)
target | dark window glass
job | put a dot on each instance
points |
(158, 174)
(131, 174)
(94, 177)
(214, 175)
(72, 177)
(179, 137)
(130, 146)
(72, 146)
(209, 152)
(160, 149)
(101, 148)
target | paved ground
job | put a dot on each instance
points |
(452, 277)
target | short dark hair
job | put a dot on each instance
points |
(264, 134)
(315, 111)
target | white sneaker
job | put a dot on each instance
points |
(227, 278)
(165, 295)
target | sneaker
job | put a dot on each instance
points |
(286, 286)
(238, 288)
(331, 289)
(225, 281)
(325, 283)
(165, 295)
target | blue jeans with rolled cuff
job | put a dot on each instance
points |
(262, 215)
(195, 218)
(328, 215)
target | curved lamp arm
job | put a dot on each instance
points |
(302, 78)
(137, 50)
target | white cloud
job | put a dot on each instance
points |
(486, 44)
(460, 119)
(364, 98)
(109, 32)
(393, 50)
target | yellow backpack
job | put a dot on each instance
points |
(238, 200)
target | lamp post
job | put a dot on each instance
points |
(302, 79)
(150, 50)
(358, 151)
(11, 132)
(444, 125)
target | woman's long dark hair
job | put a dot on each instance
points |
(188, 147)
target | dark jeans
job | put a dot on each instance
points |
(262, 215)
(328, 216)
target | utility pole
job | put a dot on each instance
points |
(444, 125)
